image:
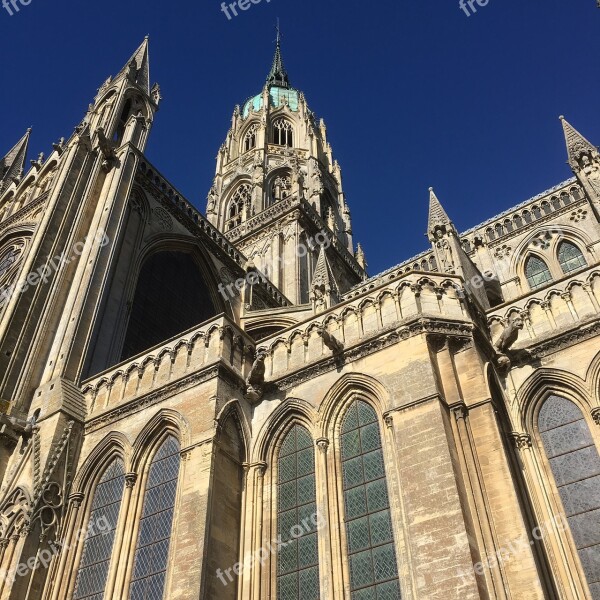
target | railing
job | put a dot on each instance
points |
(209, 343)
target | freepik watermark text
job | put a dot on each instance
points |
(253, 277)
(43, 274)
(314, 522)
(99, 527)
(468, 6)
(13, 6)
(233, 6)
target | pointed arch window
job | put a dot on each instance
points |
(250, 138)
(537, 272)
(283, 133)
(152, 549)
(97, 550)
(370, 539)
(235, 210)
(575, 464)
(298, 558)
(570, 257)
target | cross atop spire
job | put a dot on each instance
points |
(11, 166)
(278, 76)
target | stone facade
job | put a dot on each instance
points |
(197, 384)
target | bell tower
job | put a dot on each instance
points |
(277, 186)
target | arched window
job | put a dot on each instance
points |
(298, 559)
(371, 550)
(235, 209)
(304, 275)
(152, 548)
(97, 550)
(283, 133)
(575, 465)
(570, 257)
(537, 272)
(280, 188)
(8, 257)
(171, 296)
(250, 138)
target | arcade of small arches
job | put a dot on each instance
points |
(281, 134)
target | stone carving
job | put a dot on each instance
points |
(331, 342)
(255, 381)
(13, 428)
(506, 340)
(509, 336)
(107, 149)
(162, 219)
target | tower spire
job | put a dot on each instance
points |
(11, 166)
(577, 145)
(137, 67)
(278, 76)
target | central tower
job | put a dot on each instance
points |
(277, 186)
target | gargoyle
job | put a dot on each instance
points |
(334, 345)
(509, 336)
(255, 381)
(108, 150)
(506, 340)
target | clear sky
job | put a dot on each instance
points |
(414, 93)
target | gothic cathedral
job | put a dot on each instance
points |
(225, 406)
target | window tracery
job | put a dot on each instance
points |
(152, 548)
(283, 133)
(570, 257)
(298, 559)
(250, 138)
(537, 272)
(370, 539)
(235, 210)
(97, 549)
(575, 464)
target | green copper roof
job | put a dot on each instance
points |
(277, 97)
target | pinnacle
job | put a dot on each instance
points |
(576, 143)
(11, 166)
(437, 214)
(141, 62)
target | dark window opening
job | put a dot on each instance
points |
(171, 296)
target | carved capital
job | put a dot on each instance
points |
(522, 440)
(460, 412)
(130, 480)
(323, 444)
(596, 415)
(76, 499)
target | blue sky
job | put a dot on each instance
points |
(414, 94)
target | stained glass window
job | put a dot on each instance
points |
(570, 257)
(152, 550)
(575, 463)
(97, 549)
(371, 550)
(537, 272)
(298, 558)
